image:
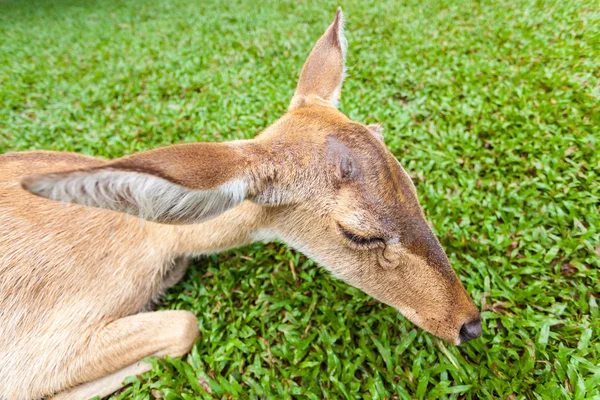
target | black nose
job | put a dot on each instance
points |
(470, 330)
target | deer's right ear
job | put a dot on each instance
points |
(187, 183)
(323, 72)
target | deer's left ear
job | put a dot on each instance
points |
(323, 72)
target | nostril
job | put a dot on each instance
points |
(470, 330)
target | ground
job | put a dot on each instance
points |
(491, 106)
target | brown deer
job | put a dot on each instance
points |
(87, 245)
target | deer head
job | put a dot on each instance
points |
(329, 187)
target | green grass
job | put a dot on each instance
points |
(492, 107)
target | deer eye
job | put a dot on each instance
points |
(359, 241)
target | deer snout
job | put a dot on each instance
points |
(470, 330)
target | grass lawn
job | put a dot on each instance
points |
(492, 107)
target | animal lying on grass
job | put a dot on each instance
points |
(77, 281)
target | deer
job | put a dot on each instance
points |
(88, 245)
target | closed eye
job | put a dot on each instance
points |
(367, 242)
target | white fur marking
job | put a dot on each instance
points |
(263, 235)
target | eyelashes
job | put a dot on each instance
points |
(361, 241)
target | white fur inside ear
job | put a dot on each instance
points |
(145, 196)
(341, 36)
(341, 39)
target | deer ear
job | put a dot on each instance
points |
(187, 183)
(377, 130)
(323, 72)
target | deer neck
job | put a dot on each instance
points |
(237, 227)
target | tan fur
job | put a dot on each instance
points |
(75, 280)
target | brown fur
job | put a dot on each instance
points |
(75, 280)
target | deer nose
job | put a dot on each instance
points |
(470, 330)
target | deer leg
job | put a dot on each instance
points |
(118, 349)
